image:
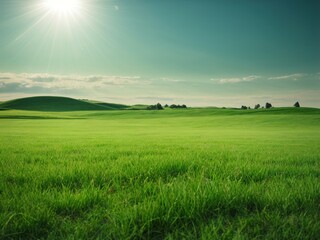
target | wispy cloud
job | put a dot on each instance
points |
(166, 79)
(235, 79)
(49, 81)
(156, 98)
(290, 77)
(293, 77)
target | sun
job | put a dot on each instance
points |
(63, 6)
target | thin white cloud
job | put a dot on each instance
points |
(250, 78)
(235, 79)
(49, 81)
(293, 77)
(166, 79)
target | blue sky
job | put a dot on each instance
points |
(201, 53)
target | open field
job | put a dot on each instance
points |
(172, 174)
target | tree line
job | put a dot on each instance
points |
(158, 106)
(267, 105)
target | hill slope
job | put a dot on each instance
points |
(52, 104)
(111, 105)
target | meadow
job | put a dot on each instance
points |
(174, 174)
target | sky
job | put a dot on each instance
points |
(224, 53)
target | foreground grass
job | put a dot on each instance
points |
(174, 174)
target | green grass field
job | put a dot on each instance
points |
(172, 174)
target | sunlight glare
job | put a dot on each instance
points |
(63, 6)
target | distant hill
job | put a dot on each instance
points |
(54, 104)
(111, 105)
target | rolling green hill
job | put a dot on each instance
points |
(53, 104)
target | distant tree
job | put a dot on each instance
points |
(166, 106)
(178, 106)
(297, 104)
(173, 106)
(159, 106)
(268, 105)
(244, 107)
(249, 107)
(151, 107)
(257, 106)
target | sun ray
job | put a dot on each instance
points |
(32, 26)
